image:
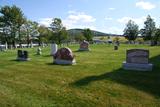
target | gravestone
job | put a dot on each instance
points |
(64, 56)
(137, 59)
(84, 46)
(22, 55)
(19, 54)
(39, 51)
(54, 49)
(116, 44)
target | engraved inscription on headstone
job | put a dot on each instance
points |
(137, 56)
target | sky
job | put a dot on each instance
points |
(109, 16)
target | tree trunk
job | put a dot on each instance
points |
(19, 33)
(6, 45)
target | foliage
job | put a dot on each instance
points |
(140, 40)
(88, 34)
(44, 34)
(131, 31)
(60, 33)
(103, 38)
(79, 37)
(148, 32)
(12, 19)
(30, 31)
(116, 39)
(157, 35)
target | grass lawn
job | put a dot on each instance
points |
(96, 80)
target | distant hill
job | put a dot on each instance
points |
(96, 33)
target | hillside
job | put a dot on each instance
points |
(74, 32)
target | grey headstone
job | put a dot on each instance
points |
(139, 56)
(137, 59)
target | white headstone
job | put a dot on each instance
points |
(39, 51)
(54, 48)
(6, 46)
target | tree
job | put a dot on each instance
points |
(79, 37)
(148, 32)
(18, 20)
(56, 24)
(44, 34)
(88, 34)
(30, 30)
(60, 33)
(5, 20)
(157, 35)
(4, 34)
(13, 18)
(131, 31)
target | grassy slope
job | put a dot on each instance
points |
(96, 80)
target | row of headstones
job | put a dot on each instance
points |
(136, 59)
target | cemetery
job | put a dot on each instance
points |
(85, 59)
(97, 78)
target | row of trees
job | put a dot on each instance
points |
(15, 28)
(148, 33)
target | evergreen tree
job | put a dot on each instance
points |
(148, 32)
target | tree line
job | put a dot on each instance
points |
(148, 33)
(15, 28)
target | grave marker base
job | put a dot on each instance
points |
(23, 59)
(137, 67)
(64, 62)
(83, 49)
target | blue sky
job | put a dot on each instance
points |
(108, 16)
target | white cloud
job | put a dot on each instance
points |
(138, 21)
(111, 8)
(79, 20)
(145, 5)
(112, 30)
(45, 21)
(73, 20)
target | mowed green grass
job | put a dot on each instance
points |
(97, 80)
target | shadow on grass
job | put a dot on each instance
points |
(15, 60)
(58, 64)
(47, 56)
(147, 81)
(81, 51)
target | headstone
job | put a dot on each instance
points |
(64, 56)
(137, 59)
(19, 54)
(39, 51)
(116, 44)
(22, 55)
(84, 46)
(54, 48)
(25, 54)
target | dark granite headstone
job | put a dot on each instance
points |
(137, 59)
(22, 55)
(25, 53)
